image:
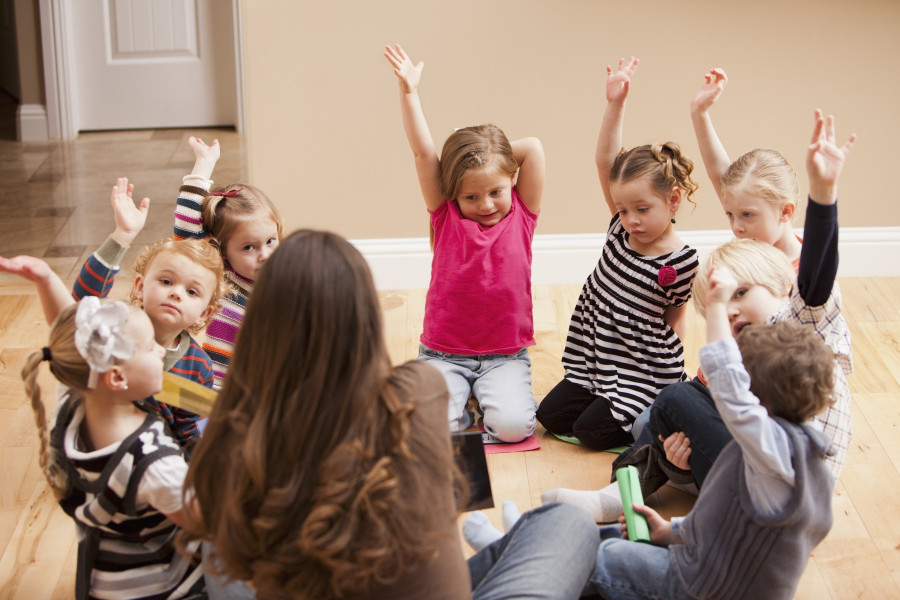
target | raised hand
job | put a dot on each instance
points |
(205, 156)
(408, 73)
(678, 450)
(712, 88)
(33, 269)
(130, 219)
(825, 160)
(617, 83)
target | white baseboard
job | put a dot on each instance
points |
(31, 123)
(405, 263)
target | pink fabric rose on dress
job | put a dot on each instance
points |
(667, 276)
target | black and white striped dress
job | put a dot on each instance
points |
(618, 346)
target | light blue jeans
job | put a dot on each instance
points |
(626, 570)
(500, 382)
(548, 554)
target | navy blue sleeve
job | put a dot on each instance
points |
(818, 254)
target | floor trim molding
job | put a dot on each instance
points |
(31, 123)
(405, 263)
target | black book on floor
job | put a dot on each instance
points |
(468, 450)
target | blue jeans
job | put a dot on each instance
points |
(548, 554)
(501, 383)
(627, 570)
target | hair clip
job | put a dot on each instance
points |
(229, 193)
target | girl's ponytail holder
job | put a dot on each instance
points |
(98, 335)
(229, 193)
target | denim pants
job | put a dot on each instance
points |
(626, 570)
(501, 383)
(548, 554)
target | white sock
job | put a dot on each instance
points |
(510, 514)
(478, 531)
(604, 505)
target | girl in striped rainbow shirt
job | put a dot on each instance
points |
(247, 228)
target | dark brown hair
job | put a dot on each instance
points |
(296, 477)
(791, 369)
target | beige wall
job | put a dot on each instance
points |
(326, 142)
(28, 40)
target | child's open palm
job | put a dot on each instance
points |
(617, 83)
(825, 160)
(33, 269)
(712, 88)
(408, 73)
(130, 219)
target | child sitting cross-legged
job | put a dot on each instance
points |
(766, 503)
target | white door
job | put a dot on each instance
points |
(141, 64)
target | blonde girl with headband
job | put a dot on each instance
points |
(759, 190)
(247, 227)
(624, 340)
(112, 464)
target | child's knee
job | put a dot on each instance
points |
(509, 426)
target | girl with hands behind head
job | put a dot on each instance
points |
(483, 194)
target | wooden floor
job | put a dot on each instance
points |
(55, 202)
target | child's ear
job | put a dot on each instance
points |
(139, 288)
(787, 212)
(115, 379)
(205, 314)
(674, 198)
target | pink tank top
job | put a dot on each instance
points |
(479, 299)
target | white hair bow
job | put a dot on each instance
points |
(98, 335)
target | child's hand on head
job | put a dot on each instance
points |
(130, 219)
(712, 88)
(33, 269)
(825, 160)
(722, 286)
(408, 73)
(617, 83)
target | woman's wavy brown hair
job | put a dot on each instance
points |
(296, 477)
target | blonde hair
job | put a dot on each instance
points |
(791, 369)
(226, 208)
(765, 174)
(71, 370)
(471, 148)
(752, 263)
(197, 251)
(663, 164)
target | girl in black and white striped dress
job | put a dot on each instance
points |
(624, 340)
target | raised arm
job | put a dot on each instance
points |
(52, 291)
(713, 153)
(428, 166)
(819, 253)
(609, 143)
(529, 153)
(188, 207)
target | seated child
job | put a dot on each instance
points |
(766, 503)
(112, 464)
(178, 284)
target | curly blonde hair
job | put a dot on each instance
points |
(201, 252)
